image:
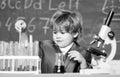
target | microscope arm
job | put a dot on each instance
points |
(113, 45)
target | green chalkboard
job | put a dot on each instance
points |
(37, 13)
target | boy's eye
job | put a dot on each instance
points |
(62, 32)
(55, 32)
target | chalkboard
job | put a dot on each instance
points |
(37, 13)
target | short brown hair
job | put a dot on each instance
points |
(70, 21)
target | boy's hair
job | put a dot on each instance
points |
(70, 21)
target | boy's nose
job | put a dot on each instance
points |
(58, 35)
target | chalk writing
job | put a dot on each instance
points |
(20, 18)
(19, 5)
(31, 27)
(8, 23)
(9, 5)
(62, 5)
(72, 3)
(111, 4)
(37, 4)
(46, 25)
(3, 4)
(28, 4)
(50, 6)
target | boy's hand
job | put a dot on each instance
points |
(75, 55)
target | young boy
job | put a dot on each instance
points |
(66, 27)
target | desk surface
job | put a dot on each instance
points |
(57, 75)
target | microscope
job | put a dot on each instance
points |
(105, 37)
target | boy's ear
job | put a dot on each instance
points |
(75, 35)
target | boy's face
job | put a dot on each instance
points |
(62, 38)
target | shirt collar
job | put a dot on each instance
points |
(66, 49)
